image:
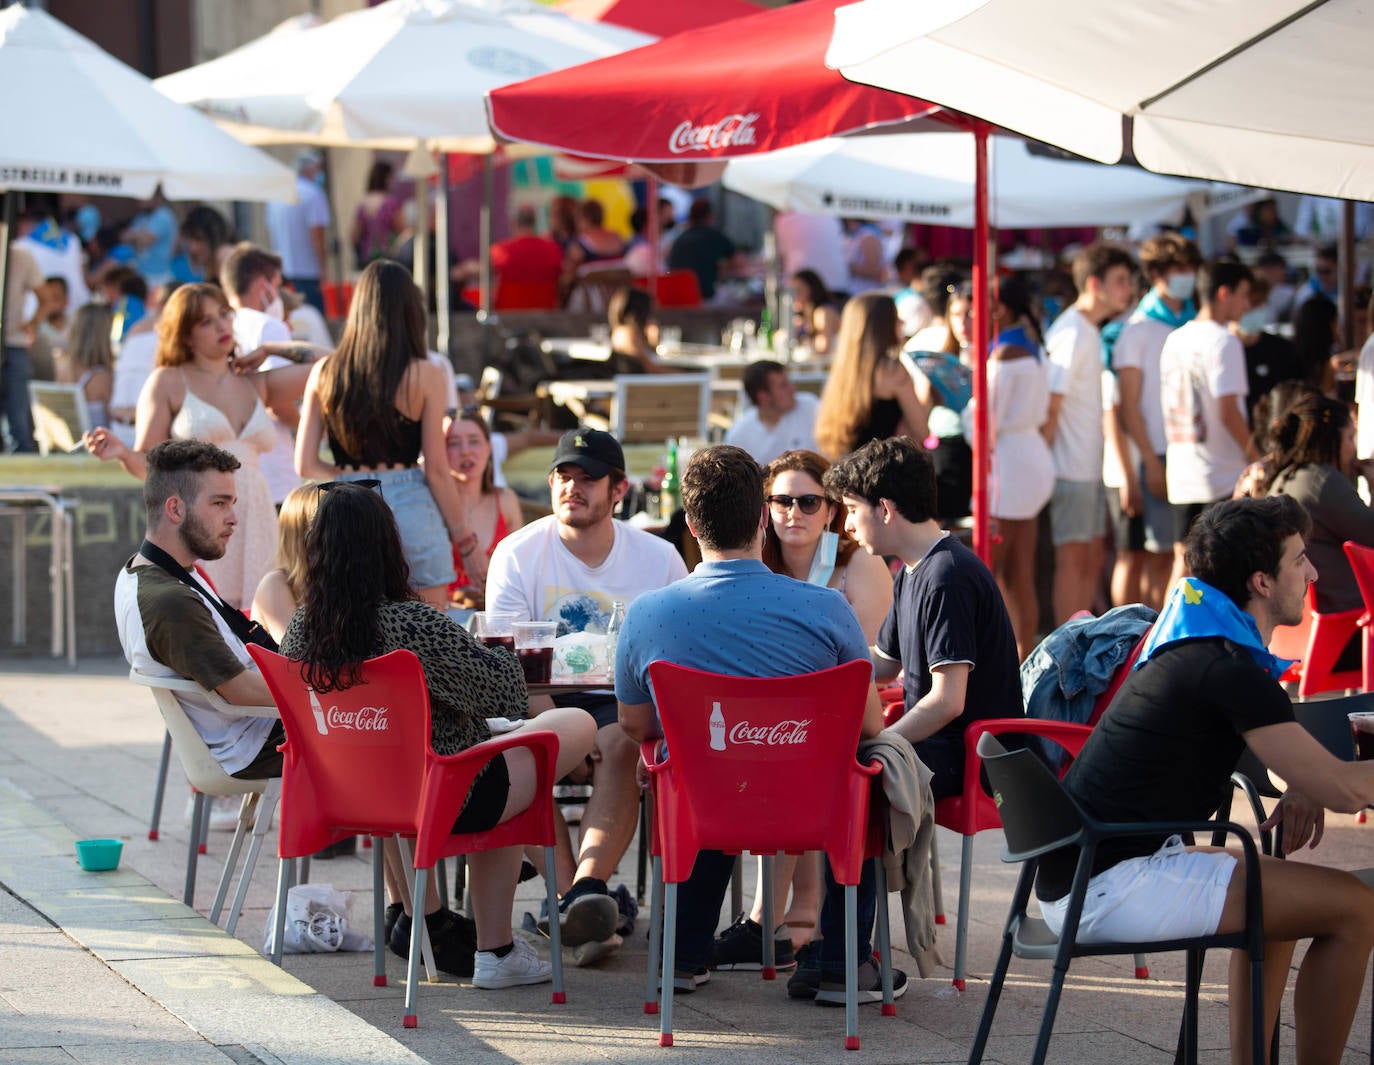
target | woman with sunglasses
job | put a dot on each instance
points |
(380, 403)
(805, 538)
(358, 602)
(493, 513)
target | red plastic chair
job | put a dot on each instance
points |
(378, 731)
(1327, 637)
(1118, 678)
(676, 288)
(737, 746)
(1362, 563)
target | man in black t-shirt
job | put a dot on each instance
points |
(1205, 687)
(948, 627)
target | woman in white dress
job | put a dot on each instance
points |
(195, 393)
(1022, 469)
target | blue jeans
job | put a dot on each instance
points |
(15, 375)
(700, 897)
(309, 289)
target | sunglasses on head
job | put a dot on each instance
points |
(367, 482)
(807, 504)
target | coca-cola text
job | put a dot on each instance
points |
(732, 129)
(364, 719)
(783, 734)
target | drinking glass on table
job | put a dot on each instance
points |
(494, 629)
(1362, 732)
(534, 649)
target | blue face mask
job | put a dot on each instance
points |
(1182, 286)
(1251, 322)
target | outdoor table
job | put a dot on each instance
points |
(578, 396)
(571, 688)
(18, 502)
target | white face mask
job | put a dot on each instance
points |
(275, 308)
(1252, 322)
(1182, 286)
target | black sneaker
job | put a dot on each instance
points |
(806, 981)
(741, 947)
(831, 991)
(587, 914)
(452, 936)
(390, 916)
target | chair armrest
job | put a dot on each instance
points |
(183, 684)
(1069, 734)
(1098, 830)
(649, 751)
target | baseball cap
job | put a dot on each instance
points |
(596, 452)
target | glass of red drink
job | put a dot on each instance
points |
(1362, 732)
(534, 649)
(494, 629)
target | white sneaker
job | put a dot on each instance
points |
(521, 966)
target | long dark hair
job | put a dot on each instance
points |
(353, 564)
(385, 333)
(814, 466)
(817, 295)
(1309, 434)
(1312, 335)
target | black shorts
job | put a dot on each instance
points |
(1128, 533)
(486, 802)
(1184, 516)
(267, 762)
(602, 706)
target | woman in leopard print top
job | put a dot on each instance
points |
(357, 604)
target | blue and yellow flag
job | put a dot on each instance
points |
(1197, 611)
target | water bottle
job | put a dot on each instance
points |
(613, 627)
(667, 495)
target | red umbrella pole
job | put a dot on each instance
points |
(982, 322)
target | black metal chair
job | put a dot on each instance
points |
(1039, 816)
(1329, 722)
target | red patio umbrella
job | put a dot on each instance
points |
(752, 84)
(662, 18)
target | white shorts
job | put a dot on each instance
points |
(1174, 893)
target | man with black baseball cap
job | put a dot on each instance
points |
(570, 567)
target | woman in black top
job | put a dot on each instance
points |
(380, 402)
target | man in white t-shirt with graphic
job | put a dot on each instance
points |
(1170, 262)
(1203, 388)
(779, 417)
(1073, 428)
(570, 567)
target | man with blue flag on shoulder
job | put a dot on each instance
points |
(1203, 689)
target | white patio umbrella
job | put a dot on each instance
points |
(1259, 92)
(391, 76)
(79, 120)
(929, 177)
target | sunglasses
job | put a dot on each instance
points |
(807, 504)
(367, 482)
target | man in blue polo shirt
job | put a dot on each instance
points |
(733, 615)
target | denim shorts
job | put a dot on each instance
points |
(1078, 511)
(1174, 893)
(424, 538)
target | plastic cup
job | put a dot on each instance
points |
(534, 649)
(99, 855)
(1362, 732)
(493, 628)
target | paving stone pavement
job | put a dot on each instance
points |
(112, 968)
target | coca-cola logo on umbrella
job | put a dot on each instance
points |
(727, 131)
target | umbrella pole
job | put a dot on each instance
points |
(6, 235)
(651, 231)
(420, 245)
(982, 321)
(484, 233)
(1347, 276)
(443, 225)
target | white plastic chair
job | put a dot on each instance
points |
(208, 778)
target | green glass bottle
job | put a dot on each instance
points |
(667, 496)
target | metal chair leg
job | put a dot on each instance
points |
(262, 825)
(737, 890)
(851, 967)
(961, 934)
(279, 914)
(655, 966)
(936, 891)
(160, 791)
(884, 937)
(410, 1017)
(770, 971)
(188, 894)
(560, 995)
(665, 1028)
(231, 860)
(378, 916)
